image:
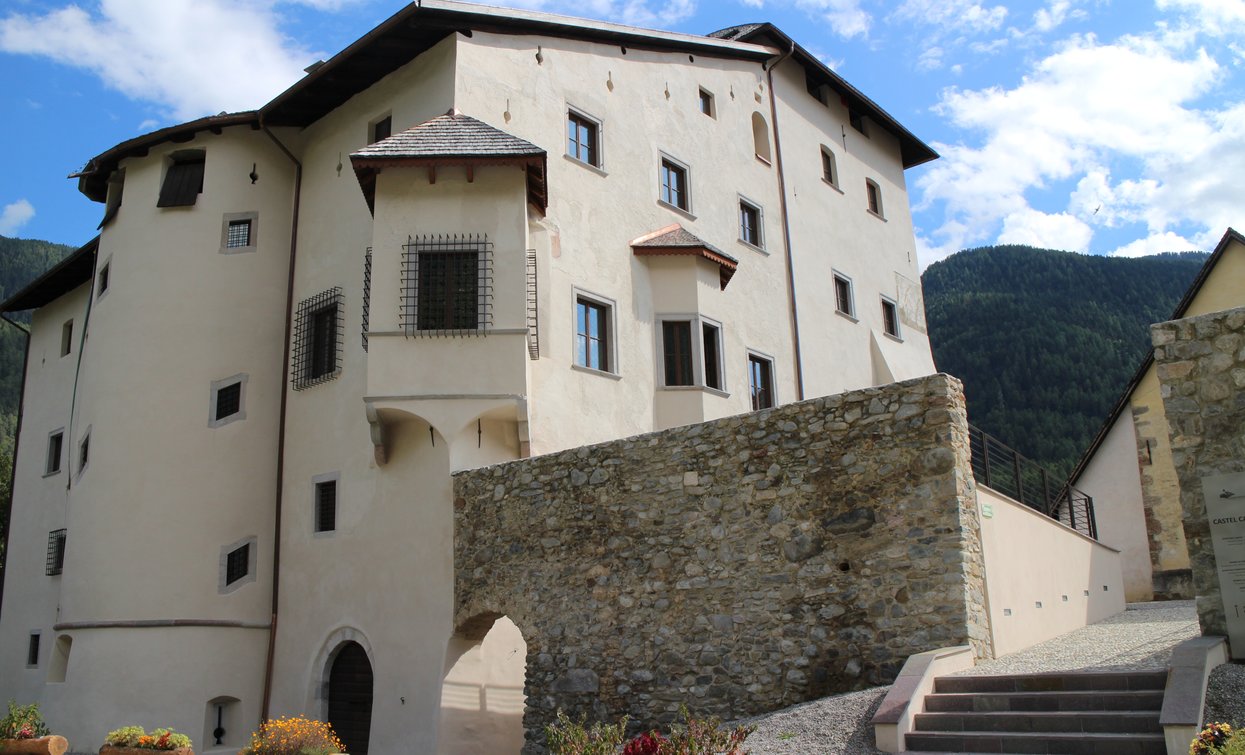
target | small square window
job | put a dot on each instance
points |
(706, 103)
(101, 280)
(56, 447)
(183, 182)
(32, 651)
(760, 381)
(228, 400)
(583, 139)
(874, 194)
(890, 317)
(66, 338)
(592, 334)
(711, 344)
(843, 302)
(55, 563)
(674, 184)
(829, 168)
(238, 234)
(380, 129)
(237, 564)
(326, 506)
(750, 223)
(676, 338)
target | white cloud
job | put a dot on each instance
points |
(633, 12)
(14, 216)
(1214, 17)
(930, 59)
(1156, 244)
(1040, 229)
(957, 15)
(193, 57)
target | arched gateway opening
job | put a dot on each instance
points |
(482, 698)
(350, 697)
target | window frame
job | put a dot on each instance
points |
(745, 205)
(228, 220)
(34, 647)
(374, 123)
(595, 129)
(668, 164)
(59, 436)
(893, 306)
(696, 355)
(306, 342)
(830, 163)
(850, 289)
(707, 103)
(609, 335)
(333, 478)
(873, 199)
(217, 386)
(757, 357)
(54, 565)
(103, 278)
(224, 587)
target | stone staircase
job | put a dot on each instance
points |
(1082, 713)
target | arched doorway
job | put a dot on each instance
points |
(482, 696)
(350, 697)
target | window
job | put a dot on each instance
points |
(326, 505)
(116, 188)
(890, 317)
(760, 137)
(706, 103)
(829, 169)
(56, 447)
(239, 232)
(583, 136)
(843, 295)
(379, 129)
(750, 223)
(183, 182)
(760, 381)
(593, 338)
(692, 353)
(674, 184)
(55, 563)
(857, 120)
(237, 565)
(66, 338)
(317, 339)
(32, 651)
(101, 279)
(84, 451)
(711, 342)
(875, 197)
(228, 400)
(447, 285)
(676, 338)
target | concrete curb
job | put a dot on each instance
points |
(1185, 694)
(906, 697)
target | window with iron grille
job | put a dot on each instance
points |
(237, 564)
(32, 651)
(843, 295)
(760, 381)
(447, 285)
(317, 339)
(183, 182)
(228, 400)
(326, 506)
(890, 317)
(56, 553)
(56, 446)
(238, 234)
(367, 295)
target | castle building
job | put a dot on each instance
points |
(472, 236)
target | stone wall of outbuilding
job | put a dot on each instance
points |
(736, 566)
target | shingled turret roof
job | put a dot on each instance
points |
(675, 240)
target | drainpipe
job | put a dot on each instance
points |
(786, 221)
(17, 434)
(285, 378)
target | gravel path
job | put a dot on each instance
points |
(1141, 637)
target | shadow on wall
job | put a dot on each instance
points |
(482, 697)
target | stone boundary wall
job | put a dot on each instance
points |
(737, 566)
(1201, 366)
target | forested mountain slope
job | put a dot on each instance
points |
(1045, 341)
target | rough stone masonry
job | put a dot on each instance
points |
(736, 566)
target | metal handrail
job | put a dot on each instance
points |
(1003, 469)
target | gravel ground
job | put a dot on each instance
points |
(1141, 637)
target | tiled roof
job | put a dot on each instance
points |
(452, 134)
(677, 240)
(734, 32)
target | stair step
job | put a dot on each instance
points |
(990, 702)
(1119, 722)
(1079, 743)
(1056, 682)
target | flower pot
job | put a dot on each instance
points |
(52, 744)
(111, 750)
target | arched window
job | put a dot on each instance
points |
(760, 137)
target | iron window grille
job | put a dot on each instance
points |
(760, 382)
(237, 564)
(184, 180)
(533, 314)
(228, 400)
(447, 285)
(317, 339)
(238, 234)
(367, 295)
(56, 553)
(326, 506)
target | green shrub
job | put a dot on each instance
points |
(158, 739)
(23, 722)
(567, 737)
(126, 736)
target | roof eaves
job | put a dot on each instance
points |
(58, 280)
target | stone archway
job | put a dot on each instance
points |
(482, 694)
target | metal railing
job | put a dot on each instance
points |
(1001, 468)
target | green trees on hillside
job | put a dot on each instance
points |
(1046, 341)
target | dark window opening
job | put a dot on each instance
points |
(677, 347)
(857, 120)
(237, 564)
(317, 339)
(749, 224)
(238, 235)
(326, 506)
(674, 184)
(760, 382)
(228, 400)
(56, 553)
(84, 452)
(875, 197)
(183, 183)
(447, 285)
(381, 129)
(32, 650)
(66, 338)
(582, 139)
(890, 318)
(713, 355)
(102, 283)
(706, 103)
(56, 444)
(843, 295)
(116, 189)
(592, 335)
(828, 171)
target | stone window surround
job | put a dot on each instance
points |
(334, 477)
(686, 171)
(749, 354)
(250, 576)
(760, 227)
(598, 137)
(611, 327)
(698, 322)
(253, 239)
(850, 314)
(898, 334)
(214, 395)
(318, 690)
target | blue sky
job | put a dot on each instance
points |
(1100, 126)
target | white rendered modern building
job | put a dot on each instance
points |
(472, 236)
